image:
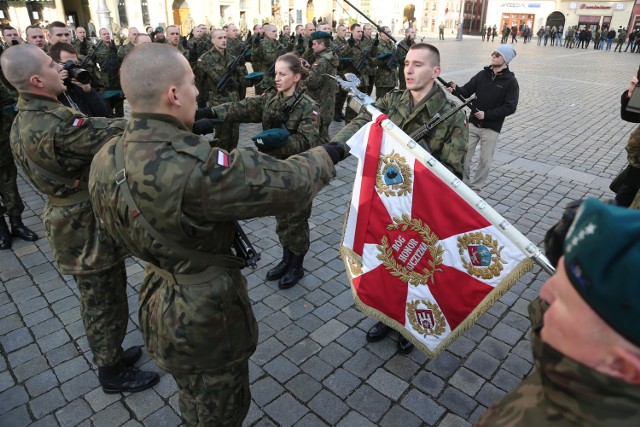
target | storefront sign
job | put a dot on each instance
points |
(594, 6)
(513, 5)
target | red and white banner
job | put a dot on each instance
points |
(419, 257)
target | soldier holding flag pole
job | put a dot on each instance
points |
(425, 255)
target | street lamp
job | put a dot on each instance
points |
(460, 20)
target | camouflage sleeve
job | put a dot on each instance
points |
(257, 185)
(316, 75)
(249, 110)
(449, 143)
(121, 53)
(304, 124)
(257, 53)
(80, 137)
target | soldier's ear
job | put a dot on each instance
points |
(624, 364)
(35, 81)
(436, 72)
(173, 97)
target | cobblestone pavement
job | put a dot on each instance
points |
(313, 365)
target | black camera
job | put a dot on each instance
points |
(75, 72)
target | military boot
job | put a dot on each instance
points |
(18, 229)
(121, 378)
(294, 273)
(131, 355)
(5, 235)
(279, 270)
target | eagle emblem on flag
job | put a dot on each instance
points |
(419, 257)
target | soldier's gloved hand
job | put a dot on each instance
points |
(300, 40)
(193, 54)
(336, 151)
(256, 40)
(292, 38)
(376, 40)
(205, 126)
(271, 139)
(205, 113)
(248, 35)
(409, 41)
(310, 43)
(351, 41)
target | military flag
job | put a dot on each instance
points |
(419, 256)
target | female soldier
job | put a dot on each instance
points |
(290, 122)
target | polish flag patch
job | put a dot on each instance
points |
(314, 113)
(78, 122)
(223, 159)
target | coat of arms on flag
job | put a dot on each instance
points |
(419, 257)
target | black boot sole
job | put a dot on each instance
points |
(141, 387)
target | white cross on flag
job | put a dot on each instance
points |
(419, 257)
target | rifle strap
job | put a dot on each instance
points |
(219, 260)
(74, 183)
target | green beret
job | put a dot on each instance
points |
(383, 56)
(317, 35)
(601, 252)
(255, 76)
(159, 30)
(272, 138)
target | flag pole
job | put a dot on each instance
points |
(360, 99)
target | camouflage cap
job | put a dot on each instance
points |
(602, 249)
(317, 35)
(271, 138)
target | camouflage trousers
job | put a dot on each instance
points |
(215, 399)
(105, 312)
(10, 200)
(293, 230)
(341, 96)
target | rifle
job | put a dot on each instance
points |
(244, 249)
(363, 60)
(424, 132)
(281, 119)
(89, 56)
(226, 77)
(272, 69)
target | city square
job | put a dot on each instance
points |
(313, 365)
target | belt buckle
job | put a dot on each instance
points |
(121, 176)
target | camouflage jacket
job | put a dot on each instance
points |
(192, 193)
(265, 56)
(8, 97)
(193, 42)
(63, 141)
(321, 87)
(564, 392)
(339, 46)
(107, 57)
(80, 48)
(204, 46)
(210, 68)
(302, 124)
(355, 53)
(448, 141)
(124, 50)
(386, 69)
(367, 42)
(401, 54)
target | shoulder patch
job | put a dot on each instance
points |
(77, 122)
(222, 159)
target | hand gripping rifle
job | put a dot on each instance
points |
(424, 132)
(244, 249)
(226, 77)
(363, 60)
(398, 136)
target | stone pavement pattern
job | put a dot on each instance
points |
(313, 365)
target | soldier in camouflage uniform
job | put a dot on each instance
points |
(369, 42)
(586, 343)
(386, 65)
(235, 47)
(54, 146)
(211, 67)
(10, 201)
(266, 54)
(410, 109)
(340, 47)
(35, 36)
(106, 57)
(173, 39)
(286, 38)
(320, 86)
(81, 43)
(407, 42)
(356, 49)
(302, 126)
(126, 48)
(205, 333)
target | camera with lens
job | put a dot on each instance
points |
(76, 72)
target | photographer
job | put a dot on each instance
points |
(79, 94)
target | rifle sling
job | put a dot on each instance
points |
(74, 183)
(219, 260)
